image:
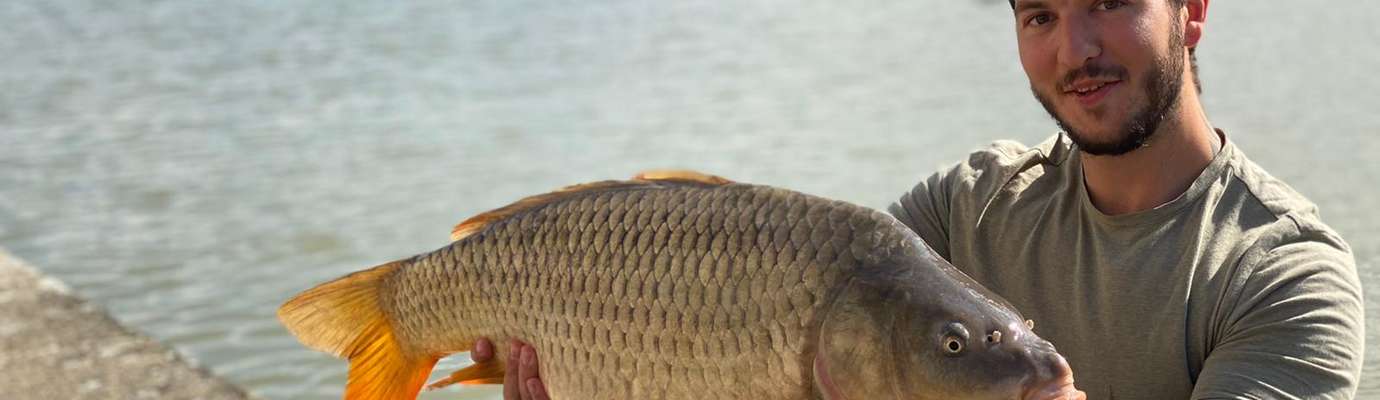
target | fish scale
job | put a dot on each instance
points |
(679, 295)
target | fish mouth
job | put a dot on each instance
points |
(1059, 387)
(1055, 391)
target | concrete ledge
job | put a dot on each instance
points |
(54, 345)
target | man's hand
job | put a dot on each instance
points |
(521, 381)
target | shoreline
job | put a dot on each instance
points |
(56, 345)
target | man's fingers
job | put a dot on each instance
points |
(483, 351)
(527, 372)
(521, 380)
(510, 376)
(538, 391)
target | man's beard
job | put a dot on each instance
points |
(1162, 85)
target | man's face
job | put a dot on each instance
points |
(1108, 71)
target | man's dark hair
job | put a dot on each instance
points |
(1192, 56)
(1179, 3)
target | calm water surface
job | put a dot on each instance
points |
(192, 164)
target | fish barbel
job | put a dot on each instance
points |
(679, 285)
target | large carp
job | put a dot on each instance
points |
(684, 286)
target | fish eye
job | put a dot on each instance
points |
(952, 345)
(955, 339)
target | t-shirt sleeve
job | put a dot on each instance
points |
(925, 208)
(1295, 332)
(954, 194)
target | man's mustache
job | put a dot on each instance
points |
(1093, 71)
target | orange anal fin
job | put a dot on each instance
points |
(381, 370)
(477, 374)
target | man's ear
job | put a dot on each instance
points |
(1193, 26)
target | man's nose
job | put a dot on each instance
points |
(1081, 42)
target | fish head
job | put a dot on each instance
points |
(926, 333)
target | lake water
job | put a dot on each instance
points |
(190, 165)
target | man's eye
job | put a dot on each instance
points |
(1109, 5)
(1039, 19)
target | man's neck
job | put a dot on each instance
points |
(1159, 172)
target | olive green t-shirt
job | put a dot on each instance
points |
(1233, 290)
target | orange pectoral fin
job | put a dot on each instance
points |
(478, 374)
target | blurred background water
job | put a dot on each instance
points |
(191, 164)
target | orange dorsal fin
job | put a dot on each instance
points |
(645, 179)
(342, 317)
(681, 175)
(479, 222)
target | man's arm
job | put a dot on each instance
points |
(1296, 331)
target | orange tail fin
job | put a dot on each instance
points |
(342, 317)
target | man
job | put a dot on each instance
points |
(1160, 260)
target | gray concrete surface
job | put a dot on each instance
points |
(54, 345)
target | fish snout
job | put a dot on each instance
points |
(1042, 347)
